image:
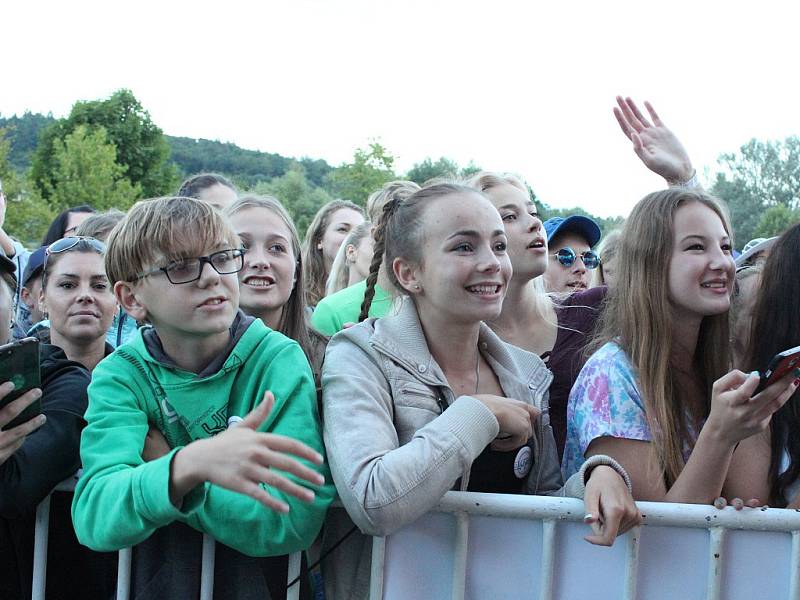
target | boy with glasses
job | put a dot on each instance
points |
(570, 242)
(189, 421)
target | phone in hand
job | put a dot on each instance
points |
(19, 363)
(780, 365)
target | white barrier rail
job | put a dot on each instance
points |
(42, 528)
(498, 546)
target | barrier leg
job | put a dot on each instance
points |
(124, 573)
(548, 559)
(41, 531)
(794, 566)
(295, 563)
(376, 568)
(632, 562)
(460, 558)
(715, 563)
(207, 568)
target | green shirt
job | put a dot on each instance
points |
(121, 500)
(345, 305)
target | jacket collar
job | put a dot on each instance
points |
(400, 337)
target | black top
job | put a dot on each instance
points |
(49, 455)
(577, 315)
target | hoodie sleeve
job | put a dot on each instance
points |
(120, 500)
(242, 522)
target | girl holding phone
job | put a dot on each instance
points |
(657, 395)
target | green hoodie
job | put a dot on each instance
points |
(120, 500)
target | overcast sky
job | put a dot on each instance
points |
(513, 86)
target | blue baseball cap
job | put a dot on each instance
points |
(583, 226)
(35, 264)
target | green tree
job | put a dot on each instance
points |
(370, 169)
(444, 168)
(760, 176)
(27, 215)
(775, 220)
(85, 171)
(300, 198)
(142, 150)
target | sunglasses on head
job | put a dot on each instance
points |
(567, 258)
(72, 243)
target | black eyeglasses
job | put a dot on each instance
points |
(567, 258)
(223, 262)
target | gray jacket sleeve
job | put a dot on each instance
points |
(382, 484)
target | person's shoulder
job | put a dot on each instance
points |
(345, 298)
(261, 344)
(591, 298)
(608, 353)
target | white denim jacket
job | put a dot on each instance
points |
(394, 451)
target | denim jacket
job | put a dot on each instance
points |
(397, 438)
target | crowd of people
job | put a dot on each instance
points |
(208, 372)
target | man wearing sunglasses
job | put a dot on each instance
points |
(571, 260)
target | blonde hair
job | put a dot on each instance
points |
(162, 230)
(99, 225)
(314, 269)
(293, 321)
(638, 317)
(607, 250)
(340, 270)
(378, 199)
(484, 181)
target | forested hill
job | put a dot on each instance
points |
(248, 167)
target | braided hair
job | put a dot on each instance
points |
(378, 251)
(400, 233)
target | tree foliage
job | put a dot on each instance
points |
(296, 193)
(443, 168)
(371, 168)
(141, 148)
(761, 176)
(85, 171)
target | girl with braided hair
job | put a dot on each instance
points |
(429, 399)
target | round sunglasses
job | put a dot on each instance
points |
(567, 257)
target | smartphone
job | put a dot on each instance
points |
(780, 365)
(19, 363)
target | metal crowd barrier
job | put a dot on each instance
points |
(466, 531)
(125, 555)
(499, 546)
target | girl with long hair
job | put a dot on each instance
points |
(430, 399)
(767, 466)
(558, 329)
(325, 234)
(352, 261)
(271, 283)
(657, 395)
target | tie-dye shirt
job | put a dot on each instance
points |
(604, 402)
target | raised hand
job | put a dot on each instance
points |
(658, 148)
(241, 459)
(515, 418)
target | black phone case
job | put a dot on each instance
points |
(19, 363)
